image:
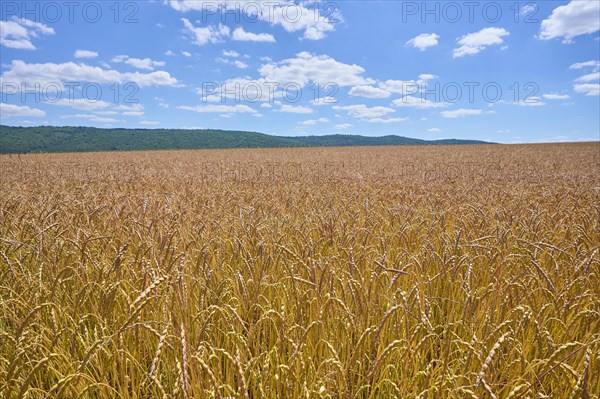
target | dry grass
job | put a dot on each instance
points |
(430, 272)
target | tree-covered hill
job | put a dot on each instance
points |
(14, 140)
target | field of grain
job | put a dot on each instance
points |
(400, 272)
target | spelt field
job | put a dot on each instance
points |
(392, 272)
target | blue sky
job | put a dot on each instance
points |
(502, 71)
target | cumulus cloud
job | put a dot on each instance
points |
(241, 89)
(140, 63)
(424, 41)
(386, 120)
(579, 17)
(292, 17)
(321, 69)
(18, 32)
(29, 74)
(555, 96)
(369, 92)
(461, 113)
(231, 53)
(91, 118)
(85, 54)
(589, 89)
(476, 42)
(240, 35)
(295, 109)
(237, 63)
(312, 122)
(427, 76)
(417, 102)
(407, 87)
(343, 126)
(532, 101)
(580, 65)
(591, 77)
(81, 104)
(584, 83)
(362, 111)
(203, 35)
(227, 109)
(10, 110)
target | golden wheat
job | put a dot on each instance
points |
(392, 272)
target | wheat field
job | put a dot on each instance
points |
(381, 272)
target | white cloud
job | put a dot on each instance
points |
(85, 54)
(528, 8)
(91, 118)
(293, 17)
(327, 100)
(581, 65)
(129, 107)
(228, 109)
(312, 122)
(241, 35)
(204, 35)
(555, 96)
(21, 72)
(232, 54)
(532, 101)
(186, 53)
(140, 63)
(161, 102)
(320, 69)
(579, 17)
(364, 112)
(592, 77)
(461, 113)
(296, 109)
(403, 87)
(10, 110)
(240, 64)
(17, 33)
(387, 120)
(475, 42)
(585, 87)
(242, 89)
(423, 41)
(343, 126)
(589, 89)
(309, 122)
(369, 92)
(169, 53)
(417, 102)
(427, 76)
(237, 63)
(99, 107)
(81, 104)
(434, 130)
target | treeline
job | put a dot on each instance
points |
(19, 140)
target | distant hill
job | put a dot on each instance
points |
(18, 140)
